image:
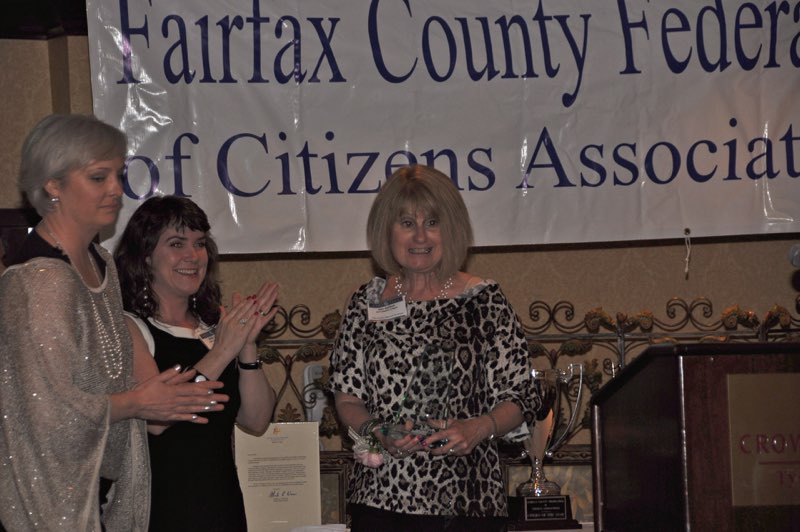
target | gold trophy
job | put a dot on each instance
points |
(541, 499)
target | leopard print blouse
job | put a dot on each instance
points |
(375, 360)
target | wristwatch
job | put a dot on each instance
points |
(249, 365)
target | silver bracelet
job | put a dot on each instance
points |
(368, 426)
(494, 426)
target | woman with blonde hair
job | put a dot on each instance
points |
(426, 321)
(73, 447)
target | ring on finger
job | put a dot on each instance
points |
(243, 322)
(262, 313)
(451, 451)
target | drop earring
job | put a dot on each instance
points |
(194, 303)
(147, 303)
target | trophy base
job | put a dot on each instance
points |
(552, 512)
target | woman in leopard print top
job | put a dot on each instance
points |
(449, 478)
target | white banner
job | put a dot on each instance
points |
(559, 120)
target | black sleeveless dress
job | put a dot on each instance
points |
(195, 486)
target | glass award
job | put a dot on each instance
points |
(424, 407)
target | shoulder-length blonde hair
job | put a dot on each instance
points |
(419, 188)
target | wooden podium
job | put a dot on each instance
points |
(679, 440)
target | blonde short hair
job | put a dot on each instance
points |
(419, 188)
(61, 143)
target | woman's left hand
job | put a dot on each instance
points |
(265, 308)
(461, 435)
(240, 326)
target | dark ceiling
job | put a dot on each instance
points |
(42, 19)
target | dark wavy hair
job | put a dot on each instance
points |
(138, 242)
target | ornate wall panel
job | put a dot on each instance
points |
(557, 336)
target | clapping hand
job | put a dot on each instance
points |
(171, 397)
(245, 319)
(265, 308)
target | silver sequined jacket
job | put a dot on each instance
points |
(58, 363)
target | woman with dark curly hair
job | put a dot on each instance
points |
(167, 261)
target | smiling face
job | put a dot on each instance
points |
(417, 242)
(90, 196)
(179, 263)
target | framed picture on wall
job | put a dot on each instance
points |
(334, 468)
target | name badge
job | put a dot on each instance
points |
(388, 310)
(208, 338)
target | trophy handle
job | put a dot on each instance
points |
(564, 378)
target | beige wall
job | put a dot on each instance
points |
(754, 274)
(39, 77)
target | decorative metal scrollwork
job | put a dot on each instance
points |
(543, 317)
(295, 321)
(602, 342)
(306, 348)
